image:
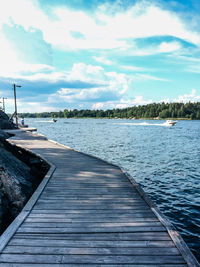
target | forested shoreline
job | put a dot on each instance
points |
(150, 111)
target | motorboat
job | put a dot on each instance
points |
(170, 123)
(54, 120)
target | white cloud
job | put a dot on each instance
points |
(153, 49)
(11, 65)
(140, 21)
(188, 63)
(133, 68)
(73, 95)
(166, 47)
(102, 30)
(81, 71)
(103, 60)
(192, 64)
(23, 12)
(143, 77)
(35, 107)
(123, 103)
(146, 20)
(96, 74)
(189, 59)
(194, 68)
(9, 104)
(192, 97)
(103, 84)
(26, 106)
(9, 60)
(99, 105)
(138, 100)
(35, 67)
(166, 100)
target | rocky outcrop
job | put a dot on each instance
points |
(3, 136)
(5, 123)
(20, 174)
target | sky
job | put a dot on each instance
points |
(97, 54)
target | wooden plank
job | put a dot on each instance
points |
(104, 215)
(69, 214)
(90, 224)
(18, 258)
(144, 236)
(88, 186)
(93, 265)
(90, 190)
(89, 229)
(84, 259)
(90, 207)
(91, 201)
(89, 243)
(118, 212)
(89, 220)
(86, 195)
(94, 181)
(89, 259)
(89, 197)
(90, 251)
(101, 181)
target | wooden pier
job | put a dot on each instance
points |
(87, 212)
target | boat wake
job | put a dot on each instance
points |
(145, 124)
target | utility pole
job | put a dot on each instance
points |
(4, 109)
(14, 87)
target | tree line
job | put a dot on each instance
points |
(150, 111)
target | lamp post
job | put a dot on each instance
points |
(4, 109)
(14, 86)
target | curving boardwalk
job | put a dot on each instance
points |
(87, 212)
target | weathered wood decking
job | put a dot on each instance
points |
(87, 212)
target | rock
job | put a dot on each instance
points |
(3, 116)
(13, 189)
(3, 136)
(4, 209)
(17, 174)
(18, 179)
(5, 123)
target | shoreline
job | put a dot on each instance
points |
(108, 118)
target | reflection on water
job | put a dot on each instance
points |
(164, 160)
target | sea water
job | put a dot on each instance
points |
(164, 160)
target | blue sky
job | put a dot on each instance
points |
(98, 54)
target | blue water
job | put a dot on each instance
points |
(165, 161)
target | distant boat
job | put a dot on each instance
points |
(170, 123)
(54, 120)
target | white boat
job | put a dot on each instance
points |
(170, 123)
